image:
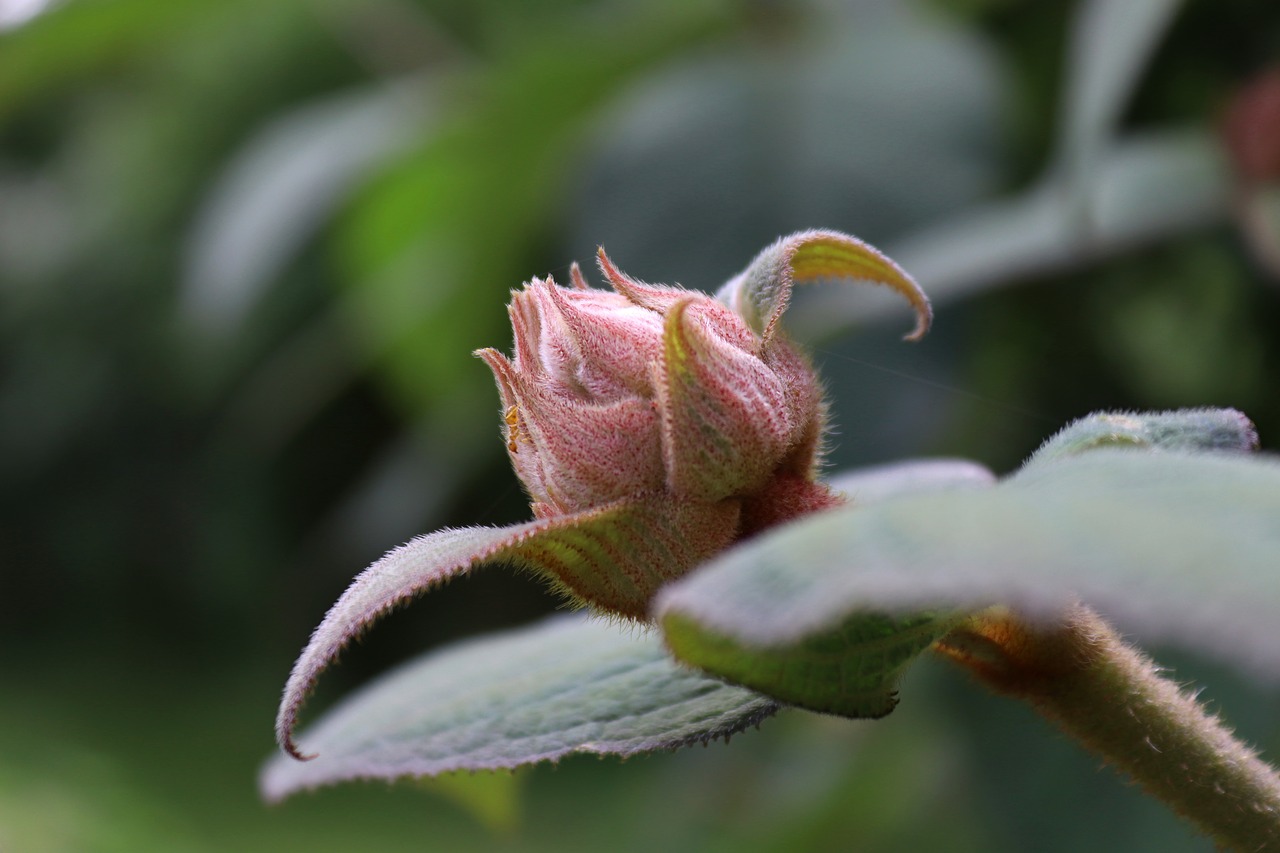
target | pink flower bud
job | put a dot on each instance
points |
(662, 395)
(582, 429)
(652, 427)
(651, 393)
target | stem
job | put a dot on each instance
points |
(1080, 675)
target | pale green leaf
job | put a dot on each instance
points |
(569, 685)
(1156, 185)
(761, 292)
(613, 557)
(875, 483)
(402, 573)
(1174, 547)
(1189, 430)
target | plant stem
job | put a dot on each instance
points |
(1080, 675)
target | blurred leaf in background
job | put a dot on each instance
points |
(247, 247)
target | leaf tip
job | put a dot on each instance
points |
(924, 321)
(287, 718)
(290, 747)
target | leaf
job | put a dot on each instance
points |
(613, 557)
(851, 669)
(492, 798)
(565, 686)
(1188, 430)
(854, 669)
(875, 483)
(760, 293)
(1155, 185)
(406, 571)
(1175, 547)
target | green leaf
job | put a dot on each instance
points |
(613, 557)
(400, 574)
(1174, 547)
(1188, 430)
(565, 686)
(877, 482)
(854, 669)
(760, 293)
(851, 669)
(492, 798)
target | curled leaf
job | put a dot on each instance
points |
(615, 557)
(760, 293)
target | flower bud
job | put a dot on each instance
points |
(581, 425)
(658, 394)
(649, 393)
(652, 428)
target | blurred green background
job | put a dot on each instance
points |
(246, 247)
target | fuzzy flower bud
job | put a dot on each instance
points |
(649, 392)
(652, 427)
(697, 409)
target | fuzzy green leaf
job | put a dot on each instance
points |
(1174, 547)
(1189, 430)
(877, 482)
(851, 669)
(613, 557)
(760, 293)
(854, 669)
(568, 685)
